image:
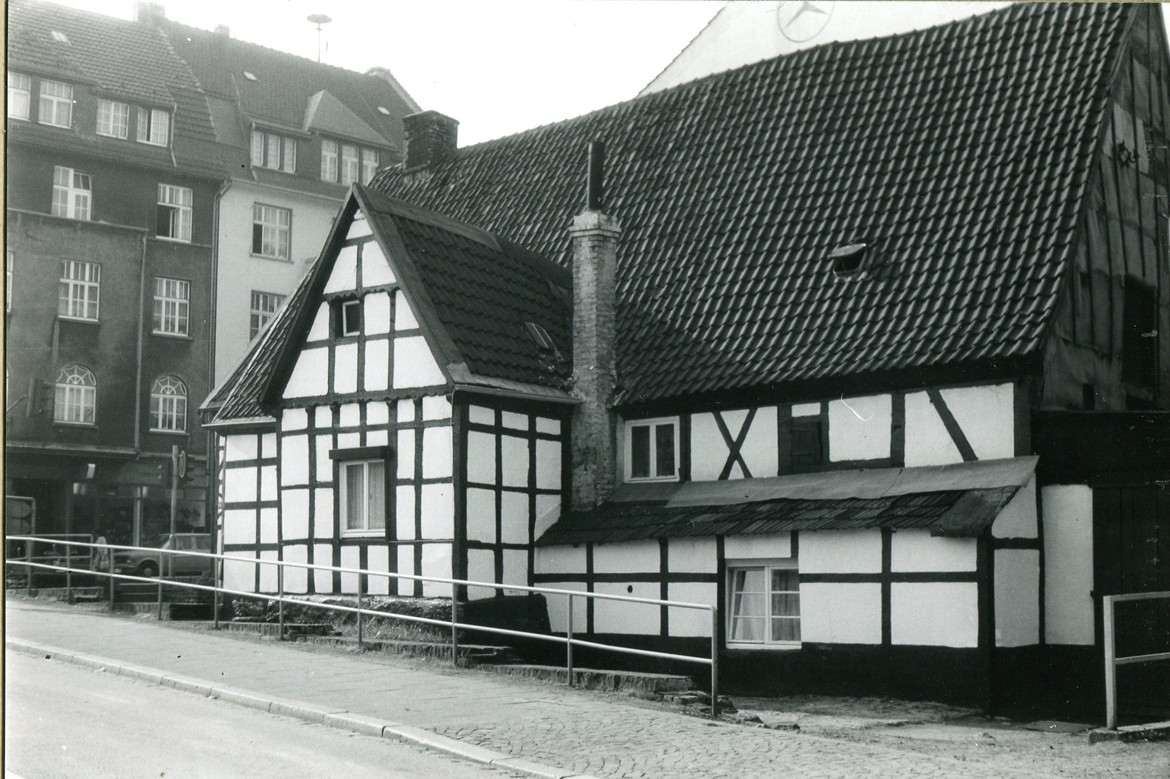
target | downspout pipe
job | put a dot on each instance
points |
(141, 347)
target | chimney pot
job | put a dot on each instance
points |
(149, 12)
(224, 30)
(595, 188)
(431, 138)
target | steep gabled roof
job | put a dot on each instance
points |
(958, 157)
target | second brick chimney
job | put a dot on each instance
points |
(431, 137)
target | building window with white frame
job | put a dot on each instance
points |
(113, 119)
(652, 449)
(271, 231)
(350, 167)
(328, 160)
(56, 104)
(764, 603)
(19, 96)
(264, 307)
(363, 495)
(168, 405)
(369, 164)
(79, 290)
(75, 397)
(154, 126)
(173, 219)
(273, 151)
(172, 306)
(72, 193)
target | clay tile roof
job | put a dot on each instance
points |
(957, 155)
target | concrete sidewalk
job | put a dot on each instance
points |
(514, 723)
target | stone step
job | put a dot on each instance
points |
(598, 679)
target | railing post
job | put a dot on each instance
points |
(714, 661)
(360, 621)
(110, 578)
(28, 569)
(280, 603)
(160, 590)
(454, 622)
(68, 573)
(217, 572)
(1110, 666)
(569, 641)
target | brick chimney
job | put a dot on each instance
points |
(431, 137)
(594, 236)
(149, 12)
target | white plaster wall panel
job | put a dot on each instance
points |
(296, 580)
(690, 622)
(377, 438)
(917, 551)
(239, 572)
(239, 526)
(481, 567)
(376, 313)
(514, 518)
(516, 568)
(548, 464)
(349, 414)
(378, 559)
(708, 450)
(294, 419)
(310, 375)
(319, 330)
(294, 514)
(323, 580)
(377, 413)
(404, 318)
(239, 485)
(405, 454)
(481, 415)
(629, 557)
(859, 428)
(514, 461)
(806, 409)
(624, 617)
(323, 445)
(269, 526)
(548, 511)
(841, 551)
(558, 608)
(481, 457)
(414, 365)
(294, 460)
(514, 421)
(438, 511)
(268, 482)
(345, 368)
(934, 614)
(350, 558)
(322, 417)
(239, 447)
(347, 441)
(436, 407)
(691, 555)
(405, 411)
(546, 425)
(436, 561)
(404, 511)
(1017, 597)
(1018, 518)
(759, 448)
(359, 227)
(560, 559)
(268, 445)
(758, 547)
(1068, 565)
(406, 566)
(344, 275)
(375, 269)
(268, 572)
(323, 513)
(927, 439)
(437, 456)
(840, 613)
(986, 415)
(481, 515)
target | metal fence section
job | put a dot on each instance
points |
(569, 640)
(1111, 658)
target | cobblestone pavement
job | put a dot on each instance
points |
(601, 734)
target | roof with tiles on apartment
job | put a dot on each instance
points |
(948, 164)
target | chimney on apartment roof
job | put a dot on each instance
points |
(149, 12)
(224, 30)
(431, 138)
(594, 237)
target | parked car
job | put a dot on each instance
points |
(148, 562)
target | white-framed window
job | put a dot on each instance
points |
(363, 495)
(173, 219)
(763, 606)
(349, 317)
(328, 160)
(19, 96)
(271, 231)
(369, 164)
(168, 405)
(349, 164)
(72, 193)
(276, 152)
(172, 306)
(76, 396)
(113, 119)
(264, 307)
(56, 104)
(652, 449)
(79, 291)
(154, 126)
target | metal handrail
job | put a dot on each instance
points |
(280, 599)
(1111, 658)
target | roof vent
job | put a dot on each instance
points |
(249, 75)
(383, 110)
(543, 341)
(849, 260)
(60, 37)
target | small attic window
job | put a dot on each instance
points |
(249, 75)
(849, 260)
(383, 110)
(60, 37)
(542, 340)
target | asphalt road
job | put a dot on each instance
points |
(64, 721)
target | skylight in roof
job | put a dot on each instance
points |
(383, 110)
(249, 75)
(543, 341)
(848, 259)
(60, 37)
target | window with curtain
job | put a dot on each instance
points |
(764, 604)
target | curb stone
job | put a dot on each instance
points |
(295, 709)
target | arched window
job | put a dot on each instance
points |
(76, 395)
(168, 405)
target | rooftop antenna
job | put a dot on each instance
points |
(320, 20)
